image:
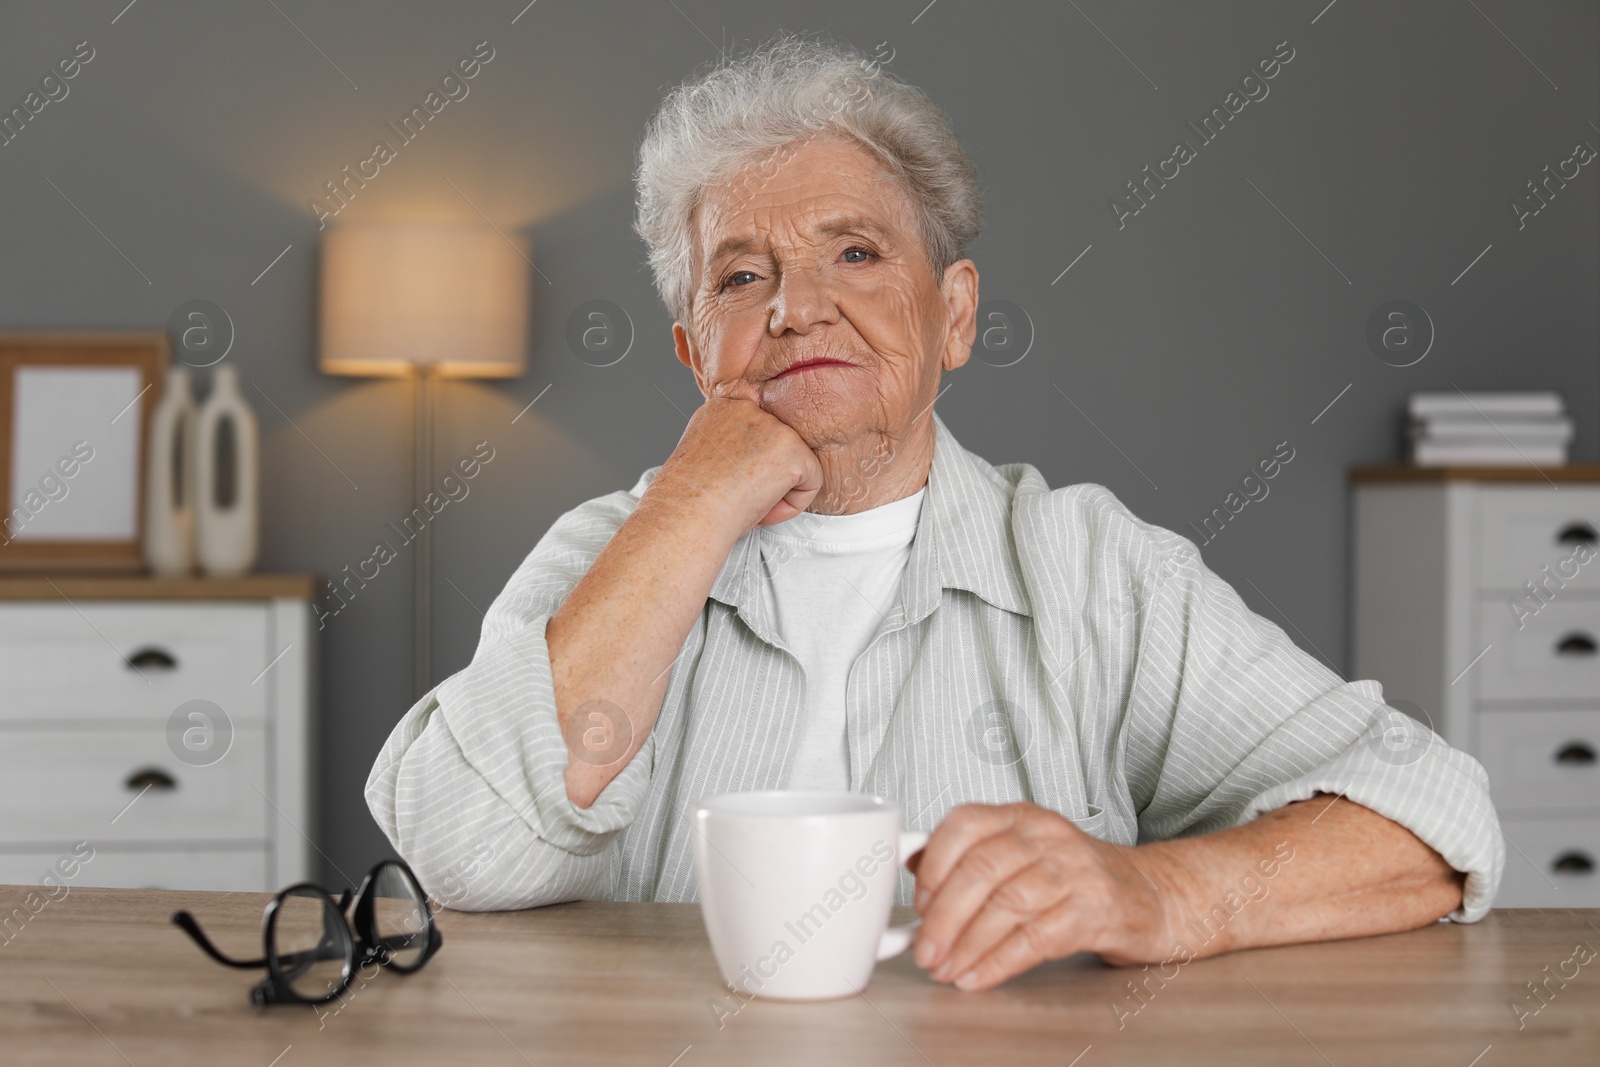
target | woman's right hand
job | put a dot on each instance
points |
(741, 462)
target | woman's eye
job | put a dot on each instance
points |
(858, 252)
(733, 279)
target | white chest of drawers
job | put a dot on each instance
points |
(1477, 598)
(161, 726)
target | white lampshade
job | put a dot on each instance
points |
(399, 298)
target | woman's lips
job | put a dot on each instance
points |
(814, 365)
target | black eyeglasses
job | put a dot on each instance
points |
(311, 949)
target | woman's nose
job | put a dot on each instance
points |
(802, 300)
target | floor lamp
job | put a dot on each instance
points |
(426, 301)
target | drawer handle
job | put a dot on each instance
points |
(1576, 644)
(152, 659)
(1577, 533)
(150, 778)
(1579, 753)
(1572, 863)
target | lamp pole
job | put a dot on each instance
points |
(422, 561)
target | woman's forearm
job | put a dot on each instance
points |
(618, 632)
(1320, 869)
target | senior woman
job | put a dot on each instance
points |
(820, 588)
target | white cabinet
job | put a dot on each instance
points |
(1476, 597)
(158, 726)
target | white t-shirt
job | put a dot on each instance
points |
(831, 580)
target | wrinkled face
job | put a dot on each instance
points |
(814, 296)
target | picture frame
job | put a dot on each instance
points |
(74, 421)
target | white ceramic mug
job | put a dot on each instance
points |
(795, 889)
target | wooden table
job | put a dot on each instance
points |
(101, 977)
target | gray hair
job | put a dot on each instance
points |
(752, 109)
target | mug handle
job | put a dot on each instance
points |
(897, 939)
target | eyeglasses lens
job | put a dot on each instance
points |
(312, 944)
(400, 917)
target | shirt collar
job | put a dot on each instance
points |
(963, 541)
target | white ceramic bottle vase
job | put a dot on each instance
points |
(169, 548)
(228, 500)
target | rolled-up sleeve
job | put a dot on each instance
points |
(1228, 719)
(470, 788)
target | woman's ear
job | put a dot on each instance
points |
(960, 292)
(688, 353)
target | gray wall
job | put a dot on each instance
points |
(1213, 326)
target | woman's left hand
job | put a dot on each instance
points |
(1002, 888)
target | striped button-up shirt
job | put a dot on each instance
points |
(1047, 646)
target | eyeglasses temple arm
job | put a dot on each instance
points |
(192, 928)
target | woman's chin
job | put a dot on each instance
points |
(820, 412)
(819, 427)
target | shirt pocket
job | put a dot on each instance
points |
(1092, 822)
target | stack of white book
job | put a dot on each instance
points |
(1488, 429)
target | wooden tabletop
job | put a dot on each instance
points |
(101, 977)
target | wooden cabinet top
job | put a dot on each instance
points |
(1571, 472)
(146, 587)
